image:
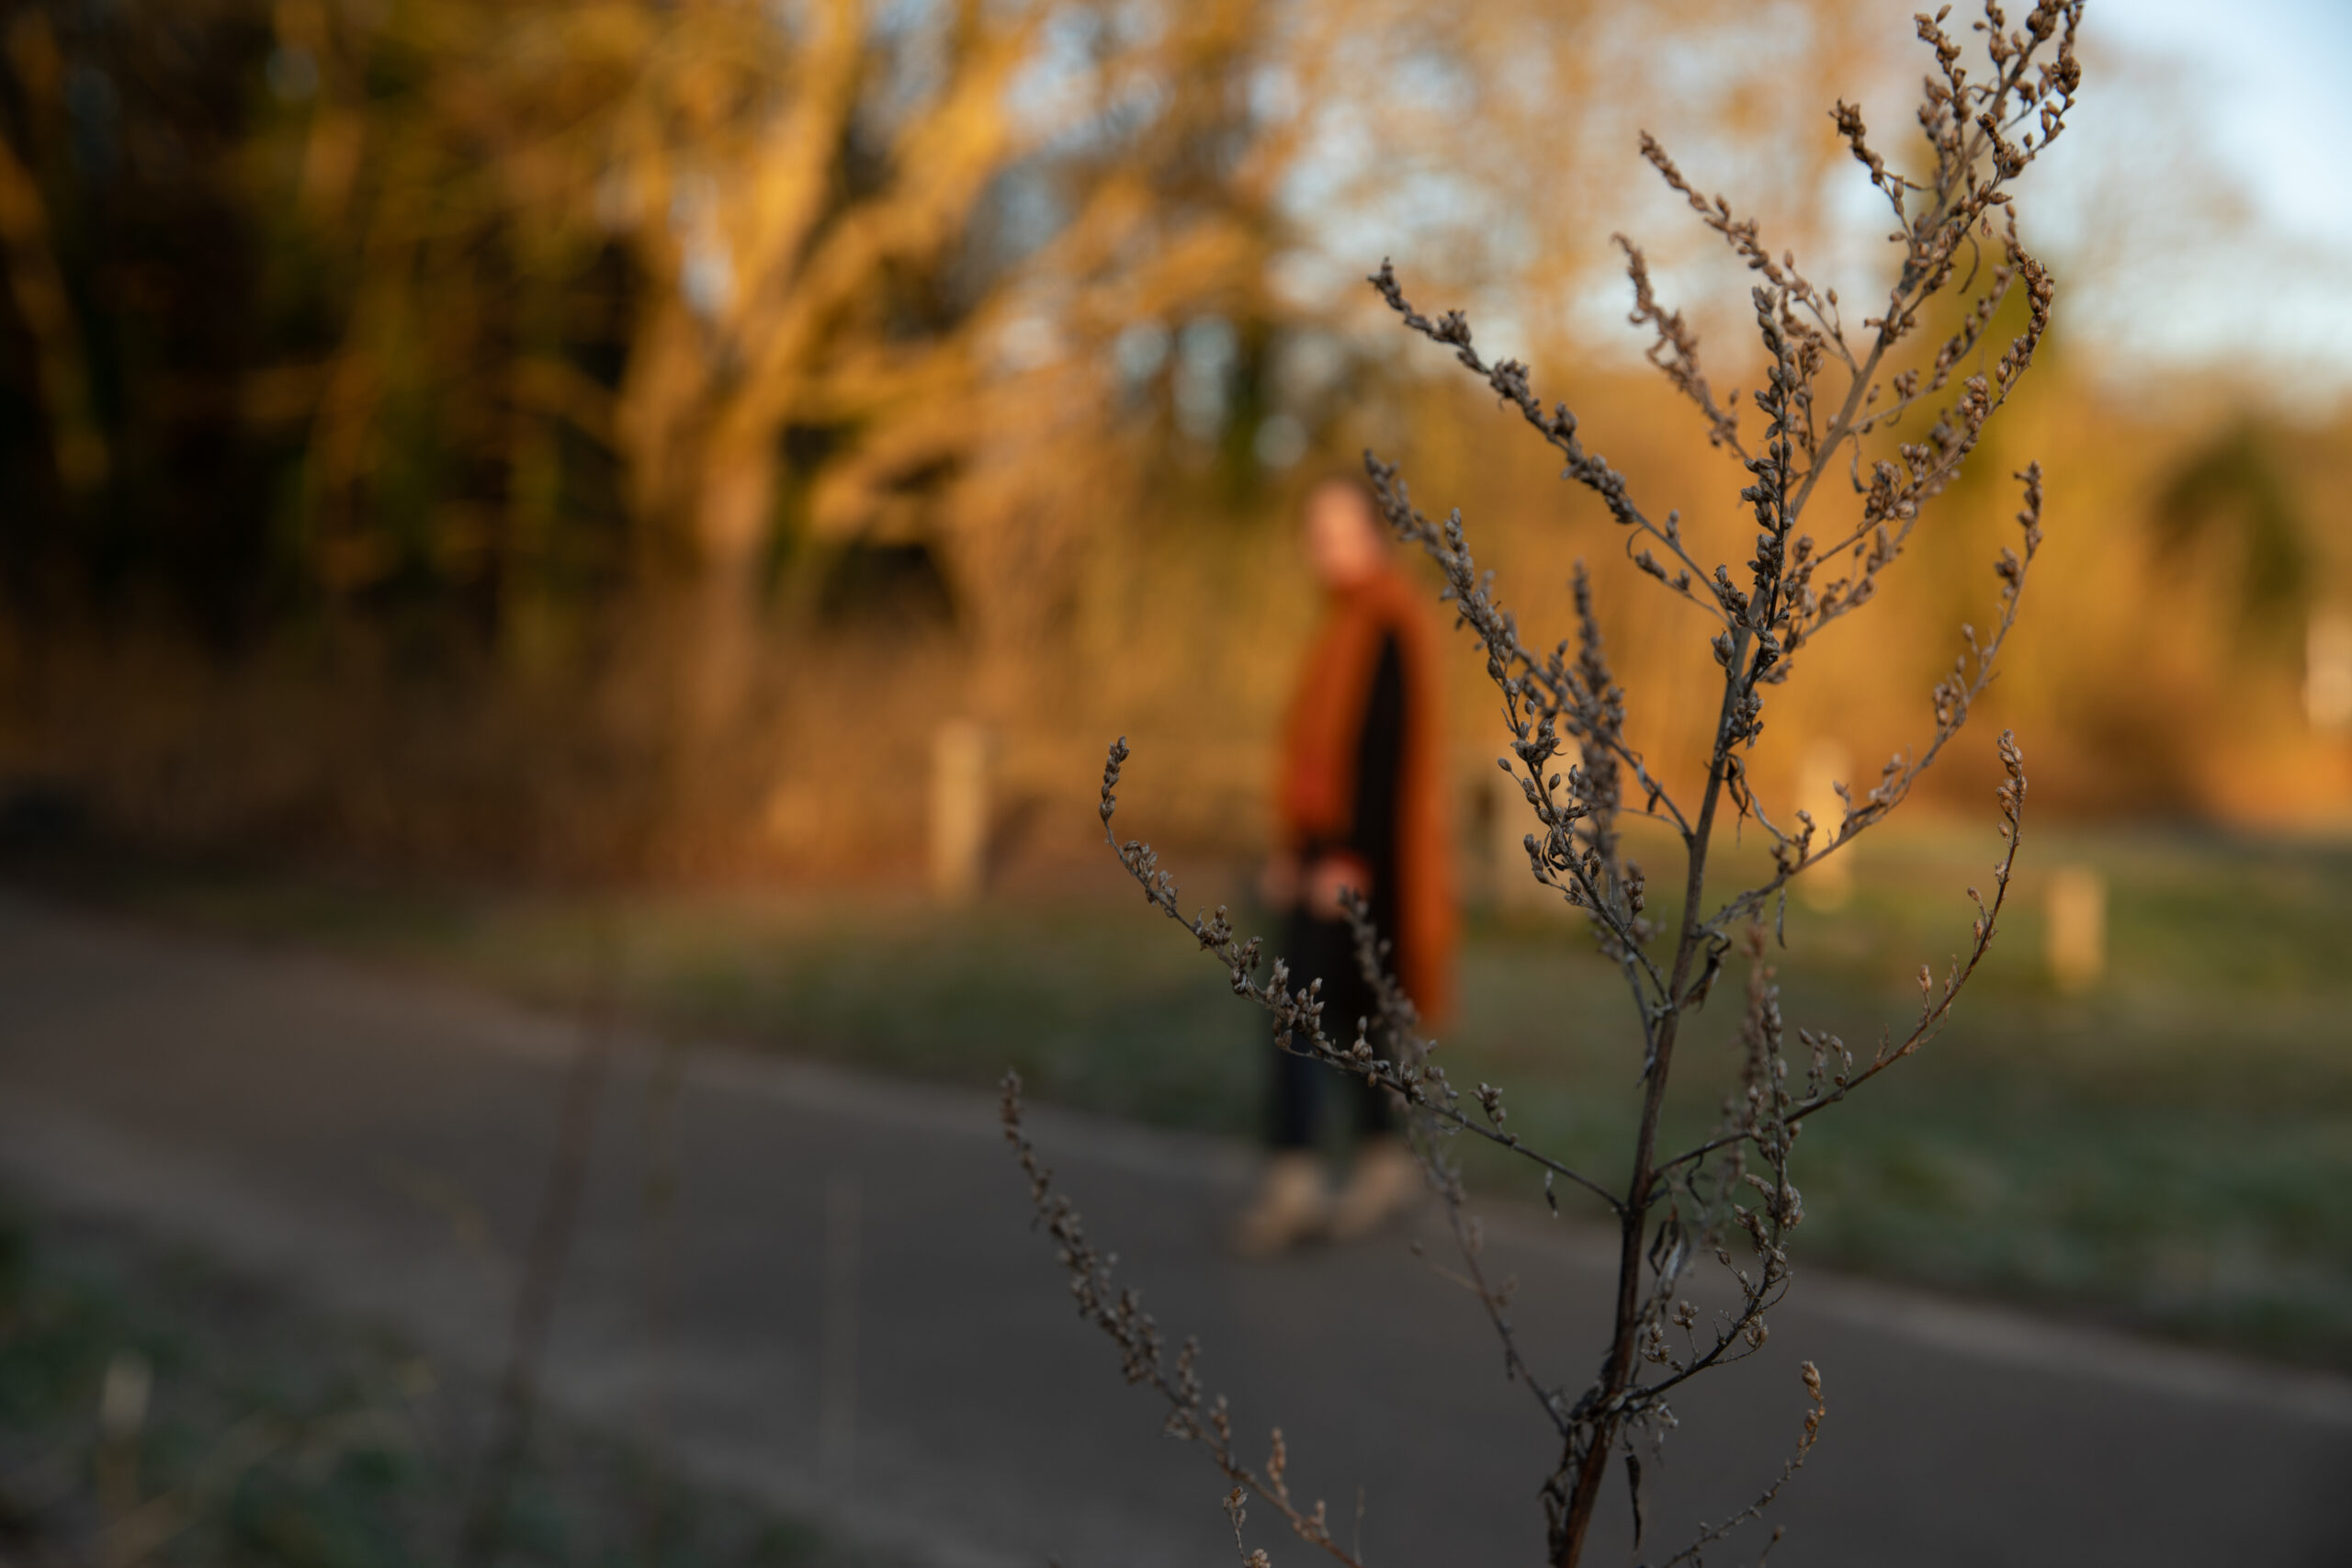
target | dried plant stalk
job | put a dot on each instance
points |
(1730, 1197)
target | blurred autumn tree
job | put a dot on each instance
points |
(558, 308)
(614, 431)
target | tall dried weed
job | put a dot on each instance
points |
(1834, 405)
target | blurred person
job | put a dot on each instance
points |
(1358, 806)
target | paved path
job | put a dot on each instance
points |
(380, 1144)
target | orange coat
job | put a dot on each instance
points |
(1315, 797)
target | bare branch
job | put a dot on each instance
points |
(1676, 352)
(1832, 1085)
(1298, 1014)
(1119, 1313)
(1953, 698)
(1508, 379)
(1709, 1536)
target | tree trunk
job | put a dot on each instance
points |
(716, 656)
(684, 692)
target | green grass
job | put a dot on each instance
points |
(2164, 1151)
(274, 1437)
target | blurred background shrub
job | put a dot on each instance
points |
(593, 437)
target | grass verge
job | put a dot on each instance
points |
(156, 1408)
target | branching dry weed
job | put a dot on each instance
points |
(1827, 391)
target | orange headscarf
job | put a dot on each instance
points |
(1315, 799)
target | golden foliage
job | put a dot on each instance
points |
(626, 328)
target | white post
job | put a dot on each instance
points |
(959, 810)
(2328, 671)
(2077, 935)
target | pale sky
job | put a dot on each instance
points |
(2267, 85)
(2280, 72)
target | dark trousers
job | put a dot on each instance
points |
(1325, 950)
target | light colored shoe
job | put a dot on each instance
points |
(1292, 1203)
(1382, 1185)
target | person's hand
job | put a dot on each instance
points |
(1278, 881)
(1332, 875)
